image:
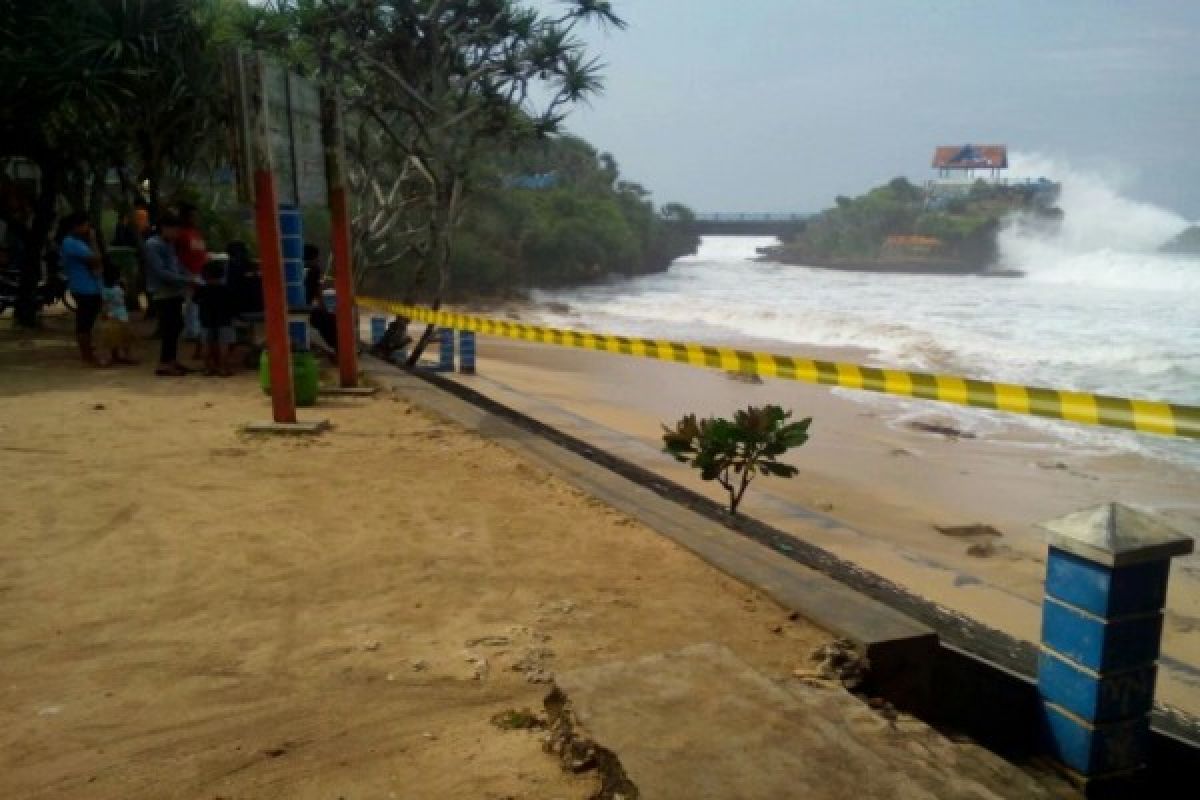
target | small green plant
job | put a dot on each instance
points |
(514, 720)
(733, 452)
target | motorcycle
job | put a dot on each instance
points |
(48, 293)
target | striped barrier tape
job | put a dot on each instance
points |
(1145, 416)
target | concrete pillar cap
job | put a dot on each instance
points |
(1116, 535)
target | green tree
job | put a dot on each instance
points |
(444, 82)
(91, 85)
(733, 452)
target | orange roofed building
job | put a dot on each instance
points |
(965, 159)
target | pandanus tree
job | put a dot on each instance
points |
(435, 84)
(53, 100)
(88, 86)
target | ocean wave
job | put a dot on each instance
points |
(1098, 310)
(1105, 240)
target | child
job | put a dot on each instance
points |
(216, 306)
(116, 338)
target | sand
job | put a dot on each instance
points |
(879, 488)
(192, 612)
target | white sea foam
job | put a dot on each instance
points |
(1106, 240)
(1097, 309)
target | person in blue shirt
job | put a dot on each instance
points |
(80, 258)
(167, 282)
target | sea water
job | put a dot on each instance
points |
(1096, 309)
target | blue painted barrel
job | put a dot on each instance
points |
(466, 352)
(378, 328)
(445, 350)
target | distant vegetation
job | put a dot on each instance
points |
(899, 224)
(555, 212)
(1186, 243)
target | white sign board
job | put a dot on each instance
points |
(294, 123)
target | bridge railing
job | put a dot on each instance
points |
(750, 216)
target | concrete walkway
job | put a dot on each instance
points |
(700, 724)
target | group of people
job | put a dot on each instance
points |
(193, 294)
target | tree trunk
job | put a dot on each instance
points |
(95, 206)
(154, 178)
(28, 302)
(441, 236)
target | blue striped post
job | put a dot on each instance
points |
(378, 329)
(291, 240)
(445, 361)
(1106, 586)
(466, 352)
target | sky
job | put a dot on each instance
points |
(780, 105)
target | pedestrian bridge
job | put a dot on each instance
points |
(750, 223)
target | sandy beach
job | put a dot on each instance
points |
(874, 491)
(191, 612)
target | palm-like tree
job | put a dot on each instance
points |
(442, 82)
(88, 85)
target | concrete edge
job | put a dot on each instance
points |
(993, 665)
(895, 644)
(348, 391)
(300, 428)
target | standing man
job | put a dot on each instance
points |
(80, 258)
(193, 254)
(167, 281)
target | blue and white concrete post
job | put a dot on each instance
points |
(466, 352)
(1106, 586)
(445, 350)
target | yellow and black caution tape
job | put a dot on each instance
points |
(1146, 416)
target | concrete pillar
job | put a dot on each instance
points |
(466, 352)
(1106, 586)
(445, 350)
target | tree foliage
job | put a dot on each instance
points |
(437, 84)
(554, 212)
(448, 102)
(963, 224)
(88, 86)
(733, 452)
(97, 84)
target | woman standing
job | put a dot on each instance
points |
(80, 257)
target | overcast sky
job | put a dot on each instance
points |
(779, 105)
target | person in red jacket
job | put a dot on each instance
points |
(193, 255)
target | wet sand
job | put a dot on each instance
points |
(871, 490)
